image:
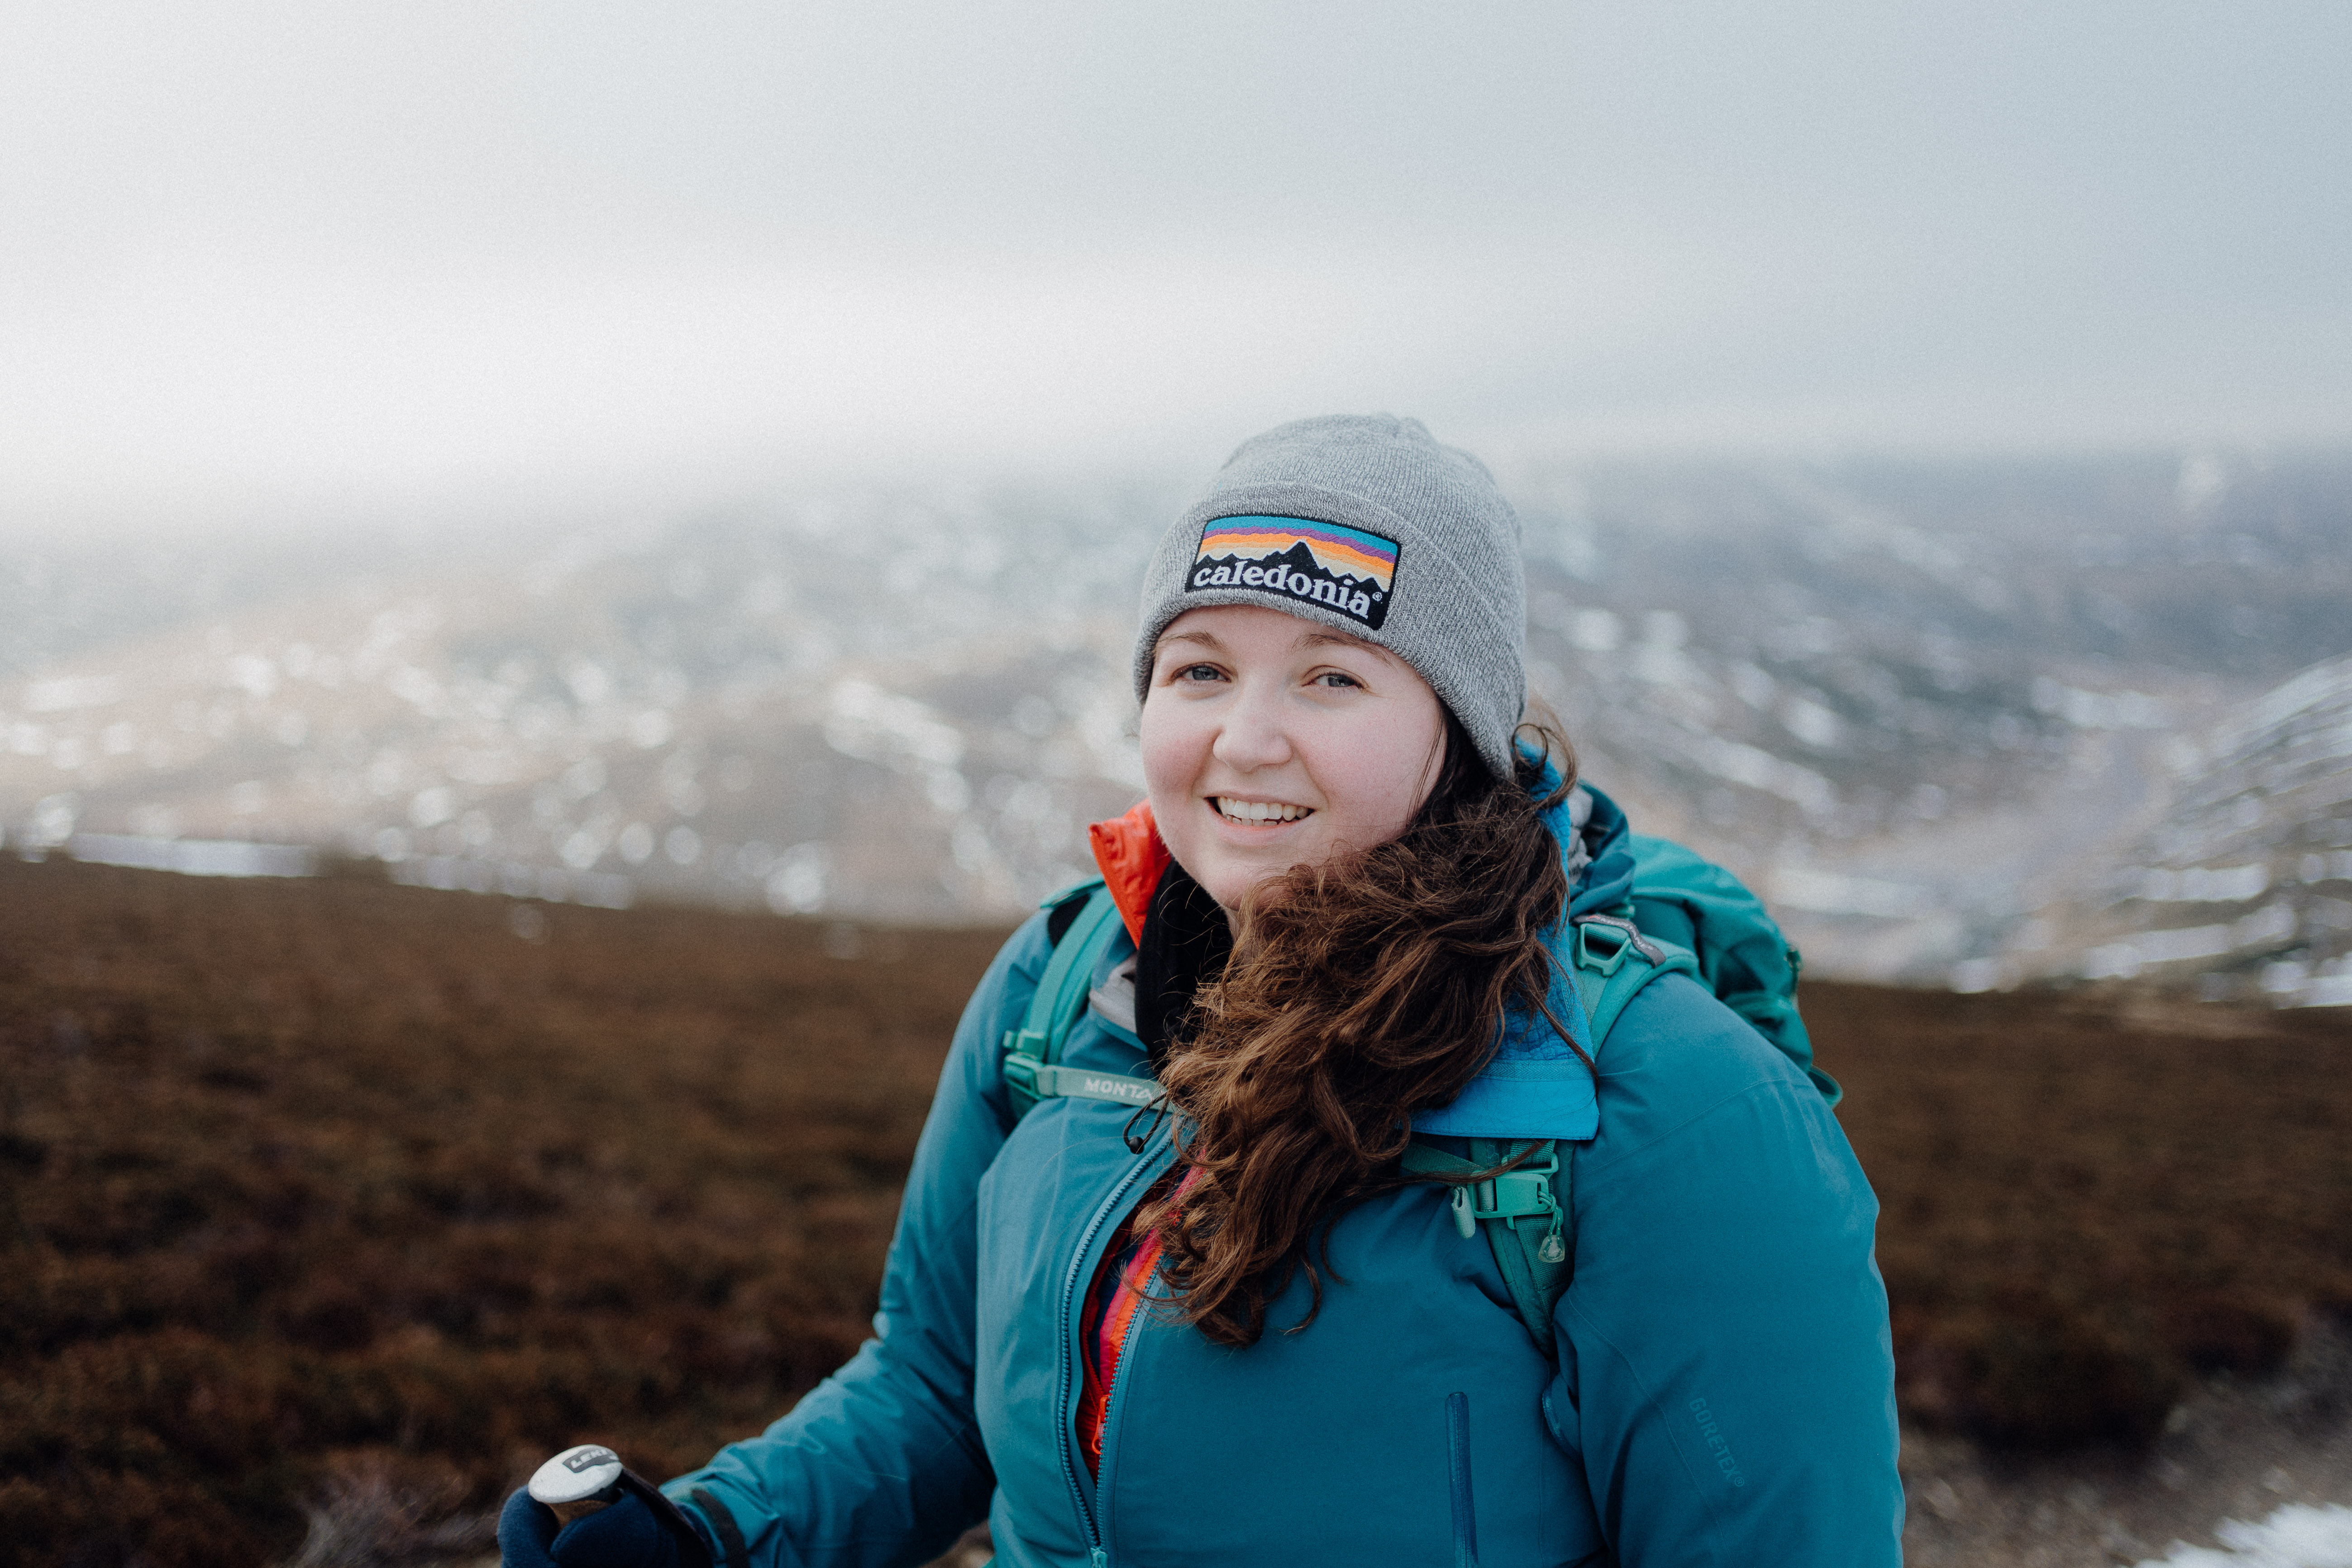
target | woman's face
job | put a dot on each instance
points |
(1271, 742)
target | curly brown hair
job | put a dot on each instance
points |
(1358, 993)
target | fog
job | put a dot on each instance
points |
(322, 268)
(623, 445)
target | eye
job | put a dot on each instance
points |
(1196, 673)
(1336, 680)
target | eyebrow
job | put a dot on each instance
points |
(1306, 639)
(1318, 638)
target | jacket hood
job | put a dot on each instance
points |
(1539, 1086)
(1605, 882)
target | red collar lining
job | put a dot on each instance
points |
(1132, 860)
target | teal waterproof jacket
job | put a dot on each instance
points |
(1722, 1392)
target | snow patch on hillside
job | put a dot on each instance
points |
(2296, 1536)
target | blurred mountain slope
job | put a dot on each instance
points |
(1912, 703)
(2246, 880)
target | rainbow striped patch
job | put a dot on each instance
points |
(1329, 564)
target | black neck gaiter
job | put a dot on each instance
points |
(1186, 941)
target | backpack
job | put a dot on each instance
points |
(1684, 915)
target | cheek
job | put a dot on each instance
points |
(1172, 749)
(1379, 796)
(1377, 773)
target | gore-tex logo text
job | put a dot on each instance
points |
(1715, 1445)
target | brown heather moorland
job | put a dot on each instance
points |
(337, 1197)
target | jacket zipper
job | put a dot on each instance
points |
(1110, 1408)
(1457, 1466)
(1073, 1288)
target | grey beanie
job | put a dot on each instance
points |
(1365, 524)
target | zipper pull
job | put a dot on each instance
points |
(1098, 1558)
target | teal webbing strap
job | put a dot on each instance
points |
(1524, 1212)
(1605, 979)
(1031, 1051)
(1084, 1083)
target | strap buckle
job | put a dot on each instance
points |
(1628, 937)
(1519, 1193)
(1023, 1055)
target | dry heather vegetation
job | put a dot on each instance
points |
(337, 1200)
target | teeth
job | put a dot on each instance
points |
(1260, 810)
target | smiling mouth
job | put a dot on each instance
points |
(1257, 812)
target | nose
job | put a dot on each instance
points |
(1252, 735)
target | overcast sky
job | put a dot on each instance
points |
(323, 260)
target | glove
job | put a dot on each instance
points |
(624, 1534)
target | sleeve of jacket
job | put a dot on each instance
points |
(882, 1461)
(1726, 1375)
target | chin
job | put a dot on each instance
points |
(1233, 888)
(1232, 879)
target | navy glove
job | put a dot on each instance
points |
(623, 1534)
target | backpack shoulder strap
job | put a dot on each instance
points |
(1033, 1053)
(1525, 1211)
(1608, 977)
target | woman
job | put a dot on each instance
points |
(1240, 1326)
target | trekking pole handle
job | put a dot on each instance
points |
(593, 1473)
